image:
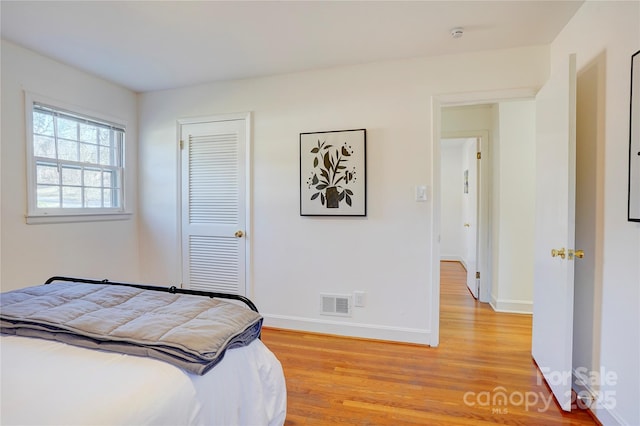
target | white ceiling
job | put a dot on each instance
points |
(154, 45)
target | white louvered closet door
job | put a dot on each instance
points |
(214, 206)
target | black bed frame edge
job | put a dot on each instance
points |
(172, 289)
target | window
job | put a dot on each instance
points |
(76, 165)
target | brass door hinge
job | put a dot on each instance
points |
(477, 275)
(181, 144)
(479, 155)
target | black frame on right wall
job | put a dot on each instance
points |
(634, 141)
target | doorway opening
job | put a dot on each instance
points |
(496, 259)
(460, 159)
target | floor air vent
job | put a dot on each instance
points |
(335, 304)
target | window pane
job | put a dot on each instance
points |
(46, 173)
(88, 153)
(93, 178)
(67, 150)
(92, 197)
(71, 197)
(88, 133)
(105, 156)
(44, 146)
(71, 176)
(104, 136)
(107, 181)
(67, 129)
(107, 194)
(42, 124)
(48, 196)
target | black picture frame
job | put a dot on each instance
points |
(633, 212)
(333, 173)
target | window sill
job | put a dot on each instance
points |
(73, 218)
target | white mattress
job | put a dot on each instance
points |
(51, 383)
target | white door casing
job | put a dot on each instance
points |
(552, 334)
(214, 203)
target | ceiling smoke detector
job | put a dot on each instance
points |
(457, 32)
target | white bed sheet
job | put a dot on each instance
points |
(51, 383)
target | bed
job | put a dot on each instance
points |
(57, 370)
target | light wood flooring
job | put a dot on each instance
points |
(482, 355)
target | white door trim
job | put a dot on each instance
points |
(247, 117)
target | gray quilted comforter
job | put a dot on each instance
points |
(192, 332)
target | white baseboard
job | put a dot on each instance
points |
(447, 258)
(605, 415)
(367, 331)
(511, 306)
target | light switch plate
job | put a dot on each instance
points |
(422, 193)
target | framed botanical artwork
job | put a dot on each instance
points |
(634, 141)
(333, 173)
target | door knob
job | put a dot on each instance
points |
(239, 234)
(558, 253)
(466, 225)
(575, 253)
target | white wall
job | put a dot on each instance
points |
(33, 253)
(514, 214)
(386, 254)
(464, 119)
(605, 35)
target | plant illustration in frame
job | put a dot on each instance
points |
(333, 180)
(332, 173)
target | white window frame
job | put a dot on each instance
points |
(37, 215)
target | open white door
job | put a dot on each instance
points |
(552, 335)
(470, 203)
(213, 178)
